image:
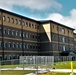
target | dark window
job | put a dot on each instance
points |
(0, 31)
(23, 34)
(33, 25)
(33, 36)
(29, 24)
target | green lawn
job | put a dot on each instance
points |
(58, 65)
(56, 74)
(65, 65)
(19, 72)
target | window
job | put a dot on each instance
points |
(8, 32)
(63, 39)
(8, 19)
(0, 31)
(23, 34)
(0, 44)
(23, 23)
(12, 20)
(20, 45)
(17, 45)
(27, 46)
(19, 22)
(38, 27)
(36, 47)
(33, 36)
(12, 32)
(4, 18)
(30, 35)
(33, 46)
(24, 46)
(29, 24)
(13, 45)
(63, 48)
(33, 25)
(57, 28)
(4, 45)
(63, 31)
(53, 26)
(4, 31)
(26, 24)
(16, 33)
(20, 34)
(9, 45)
(27, 35)
(30, 46)
(16, 21)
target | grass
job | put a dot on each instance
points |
(57, 65)
(53, 73)
(65, 65)
(16, 72)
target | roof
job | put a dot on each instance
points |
(40, 22)
(51, 21)
(18, 15)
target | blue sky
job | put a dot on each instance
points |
(62, 11)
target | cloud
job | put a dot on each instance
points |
(66, 20)
(32, 4)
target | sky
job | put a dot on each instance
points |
(61, 11)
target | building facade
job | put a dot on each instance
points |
(21, 36)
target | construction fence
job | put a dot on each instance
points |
(35, 64)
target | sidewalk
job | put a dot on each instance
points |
(62, 70)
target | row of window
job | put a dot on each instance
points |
(63, 39)
(61, 47)
(19, 45)
(16, 33)
(61, 30)
(23, 23)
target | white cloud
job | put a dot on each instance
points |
(32, 4)
(66, 20)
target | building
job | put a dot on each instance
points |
(21, 36)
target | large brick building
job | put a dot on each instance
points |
(21, 36)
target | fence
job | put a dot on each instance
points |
(34, 64)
